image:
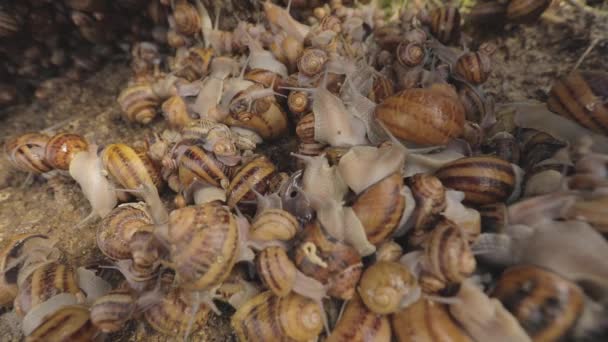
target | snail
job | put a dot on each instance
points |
(445, 24)
(312, 62)
(389, 251)
(515, 11)
(357, 322)
(474, 67)
(175, 111)
(110, 312)
(61, 149)
(299, 104)
(186, 17)
(430, 197)
(130, 168)
(68, 323)
(505, 146)
(27, 152)
(255, 174)
(139, 103)
(387, 287)
(410, 54)
(195, 64)
(116, 230)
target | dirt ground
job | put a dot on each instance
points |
(525, 65)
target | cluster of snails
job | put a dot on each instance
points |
(414, 208)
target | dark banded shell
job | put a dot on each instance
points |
(277, 271)
(429, 116)
(494, 217)
(257, 173)
(448, 257)
(445, 24)
(70, 323)
(524, 11)
(358, 323)
(342, 263)
(139, 103)
(538, 146)
(484, 179)
(473, 67)
(581, 97)
(196, 165)
(545, 304)
(305, 129)
(45, 282)
(173, 314)
(62, 147)
(130, 168)
(27, 152)
(379, 208)
(116, 230)
(429, 194)
(203, 244)
(267, 317)
(273, 224)
(427, 321)
(110, 312)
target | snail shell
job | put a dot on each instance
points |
(379, 207)
(110, 312)
(257, 174)
(388, 286)
(116, 230)
(27, 152)
(484, 179)
(448, 257)
(175, 111)
(276, 270)
(505, 146)
(474, 67)
(266, 78)
(429, 321)
(410, 54)
(130, 168)
(45, 282)
(196, 64)
(139, 103)
(494, 217)
(70, 323)
(197, 165)
(299, 103)
(389, 251)
(431, 116)
(382, 88)
(9, 24)
(445, 24)
(474, 101)
(538, 146)
(273, 224)
(305, 129)
(545, 304)
(488, 13)
(267, 317)
(429, 194)
(266, 117)
(580, 97)
(174, 313)
(145, 250)
(329, 261)
(523, 11)
(312, 61)
(358, 323)
(203, 244)
(61, 148)
(187, 18)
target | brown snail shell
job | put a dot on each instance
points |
(187, 18)
(45, 282)
(429, 321)
(431, 116)
(175, 111)
(474, 101)
(474, 67)
(276, 270)
(445, 24)
(130, 168)
(203, 244)
(312, 61)
(70, 323)
(298, 103)
(305, 129)
(139, 103)
(273, 224)
(429, 194)
(27, 152)
(484, 179)
(410, 54)
(382, 88)
(538, 146)
(196, 64)
(494, 217)
(266, 117)
(358, 323)
(580, 97)
(9, 24)
(110, 312)
(523, 11)
(385, 285)
(379, 207)
(61, 148)
(488, 13)
(329, 261)
(257, 174)
(267, 317)
(266, 78)
(116, 230)
(389, 251)
(197, 165)
(505, 146)
(545, 304)
(448, 257)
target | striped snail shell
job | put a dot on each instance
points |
(546, 304)
(27, 152)
(257, 174)
(448, 258)
(130, 168)
(524, 11)
(267, 317)
(475, 103)
(61, 148)
(139, 103)
(483, 179)
(145, 250)
(305, 129)
(45, 282)
(580, 96)
(266, 117)
(445, 24)
(187, 18)
(427, 320)
(116, 230)
(429, 116)
(203, 243)
(273, 224)
(474, 67)
(110, 312)
(488, 13)
(329, 261)
(70, 323)
(380, 207)
(387, 287)
(494, 217)
(505, 146)
(9, 24)
(358, 323)
(537, 147)
(312, 61)
(195, 164)
(410, 54)
(429, 194)
(299, 103)
(276, 270)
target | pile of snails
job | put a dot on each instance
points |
(415, 208)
